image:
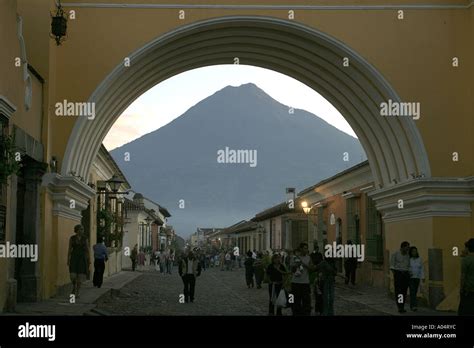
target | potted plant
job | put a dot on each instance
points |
(104, 222)
(10, 161)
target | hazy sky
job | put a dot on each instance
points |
(171, 98)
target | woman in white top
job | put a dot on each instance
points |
(416, 274)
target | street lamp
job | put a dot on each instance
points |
(114, 182)
(305, 207)
(307, 210)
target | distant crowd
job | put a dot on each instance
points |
(295, 278)
(163, 260)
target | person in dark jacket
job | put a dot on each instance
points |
(189, 269)
(275, 271)
(249, 270)
(259, 270)
(328, 272)
(134, 257)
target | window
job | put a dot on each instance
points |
(352, 213)
(339, 231)
(374, 233)
(299, 232)
(321, 228)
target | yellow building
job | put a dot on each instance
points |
(103, 170)
(422, 164)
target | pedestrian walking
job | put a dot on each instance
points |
(300, 267)
(157, 260)
(202, 260)
(162, 261)
(228, 261)
(350, 267)
(170, 261)
(315, 279)
(147, 259)
(328, 271)
(141, 260)
(100, 258)
(318, 294)
(222, 259)
(259, 270)
(400, 266)
(78, 259)
(233, 260)
(134, 257)
(249, 270)
(466, 304)
(417, 274)
(189, 269)
(276, 272)
(288, 259)
(316, 256)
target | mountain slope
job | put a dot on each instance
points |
(179, 160)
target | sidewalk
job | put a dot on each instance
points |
(378, 300)
(87, 302)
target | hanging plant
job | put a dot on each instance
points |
(105, 219)
(10, 157)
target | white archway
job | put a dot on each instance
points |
(393, 145)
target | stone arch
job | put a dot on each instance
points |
(393, 145)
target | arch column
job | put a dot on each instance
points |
(435, 215)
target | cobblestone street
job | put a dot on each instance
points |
(217, 293)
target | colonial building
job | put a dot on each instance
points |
(104, 218)
(283, 226)
(340, 210)
(146, 226)
(167, 237)
(205, 237)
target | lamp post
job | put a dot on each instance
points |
(114, 182)
(107, 201)
(306, 210)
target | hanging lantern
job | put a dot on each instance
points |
(58, 25)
